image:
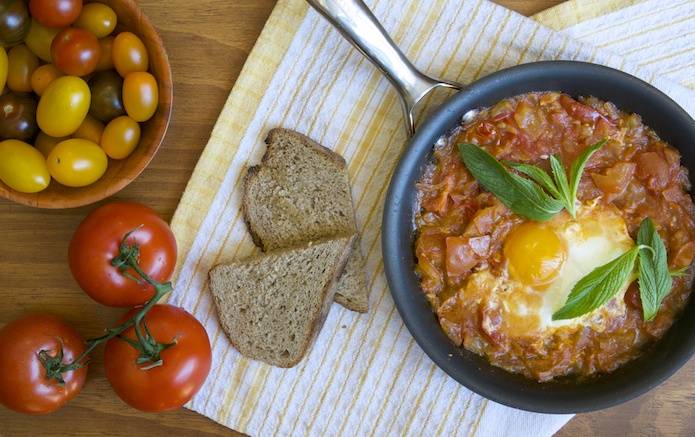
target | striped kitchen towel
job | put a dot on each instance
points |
(365, 375)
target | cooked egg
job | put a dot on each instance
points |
(543, 261)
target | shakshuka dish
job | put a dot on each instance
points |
(554, 236)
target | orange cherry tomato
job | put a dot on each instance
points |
(24, 384)
(75, 51)
(121, 136)
(105, 54)
(129, 54)
(90, 129)
(97, 18)
(46, 143)
(55, 13)
(43, 76)
(21, 64)
(140, 95)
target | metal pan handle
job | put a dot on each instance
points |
(359, 26)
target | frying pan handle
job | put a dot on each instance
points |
(359, 26)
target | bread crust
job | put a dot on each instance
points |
(327, 296)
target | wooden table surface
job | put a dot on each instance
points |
(207, 41)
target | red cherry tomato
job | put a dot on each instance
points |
(96, 242)
(24, 385)
(55, 13)
(75, 51)
(185, 364)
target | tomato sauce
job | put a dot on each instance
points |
(461, 228)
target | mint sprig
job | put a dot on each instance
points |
(602, 283)
(654, 277)
(538, 197)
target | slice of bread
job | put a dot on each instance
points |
(300, 192)
(273, 306)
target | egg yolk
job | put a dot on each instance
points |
(535, 254)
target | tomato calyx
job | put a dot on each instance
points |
(128, 258)
(149, 348)
(54, 364)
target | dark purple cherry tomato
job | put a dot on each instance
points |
(14, 21)
(18, 117)
(107, 101)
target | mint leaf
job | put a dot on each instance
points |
(538, 175)
(563, 186)
(654, 277)
(577, 168)
(596, 288)
(521, 195)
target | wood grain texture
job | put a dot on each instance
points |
(119, 172)
(207, 42)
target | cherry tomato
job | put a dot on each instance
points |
(14, 21)
(77, 162)
(23, 169)
(121, 136)
(63, 106)
(75, 51)
(107, 103)
(24, 384)
(90, 129)
(43, 76)
(129, 54)
(105, 54)
(18, 117)
(140, 95)
(55, 13)
(185, 365)
(97, 18)
(21, 64)
(39, 40)
(3, 68)
(46, 143)
(96, 242)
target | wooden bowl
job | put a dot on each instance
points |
(120, 172)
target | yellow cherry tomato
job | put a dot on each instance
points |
(63, 106)
(43, 76)
(121, 136)
(140, 95)
(45, 143)
(22, 167)
(39, 40)
(97, 18)
(21, 64)
(105, 61)
(77, 162)
(129, 54)
(90, 129)
(3, 68)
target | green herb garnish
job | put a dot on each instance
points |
(599, 286)
(654, 277)
(538, 198)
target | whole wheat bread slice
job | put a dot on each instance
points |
(300, 192)
(273, 306)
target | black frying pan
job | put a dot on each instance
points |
(630, 94)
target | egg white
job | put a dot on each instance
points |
(597, 236)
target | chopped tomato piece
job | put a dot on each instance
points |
(684, 255)
(616, 179)
(578, 110)
(460, 256)
(654, 169)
